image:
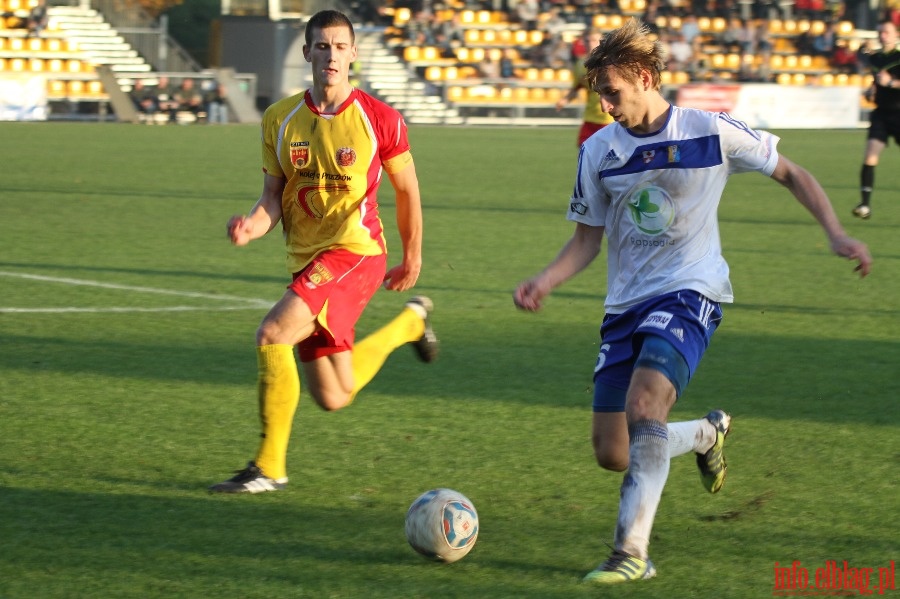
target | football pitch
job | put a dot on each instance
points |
(127, 384)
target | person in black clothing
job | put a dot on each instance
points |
(884, 121)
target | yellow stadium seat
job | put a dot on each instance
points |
(704, 23)
(56, 88)
(55, 65)
(805, 61)
(17, 44)
(733, 61)
(483, 17)
(719, 25)
(505, 37)
(53, 45)
(36, 65)
(803, 25)
(521, 94)
(75, 87)
(95, 88)
(2, 64)
(74, 66)
(718, 60)
(402, 16)
(451, 73)
(845, 28)
(665, 77)
(434, 73)
(790, 26)
(798, 79)
(35, 44)
(674, 22)
(536, 37)
(776, 26)
(468, 17)
(600, 21)
(489, 36)
(681, 77)
(472, 36)
(520, 37)
(841, 79)
(826, 79)
(429, 53)
(16, 65)
(412, 53)
(564, 75)
(791, 61)
(456, 93)
(463, 55)
(538, 94)
(615, 21)
(783, 79)
(548, 74)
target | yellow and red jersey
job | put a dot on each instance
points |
(332, 164)
(593, 113)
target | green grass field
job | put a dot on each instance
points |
(127, 383)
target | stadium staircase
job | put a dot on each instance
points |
(386, 76)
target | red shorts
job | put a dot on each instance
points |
(336, 286)
(588, 129)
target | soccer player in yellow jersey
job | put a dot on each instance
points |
(594, 117)
(323, 153)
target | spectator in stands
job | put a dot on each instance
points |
(763, 39)
(651, 14)
(507, 64)
(845, 60)
(884, 121)
(734, 36)
(165, 98)
(216, 102)
(489, 68)
(189, 98)
(593, 118)
(554, 23)
(681, 53)
(144, 100)
(824, 43)
(690, 29)
(527, 13)
(38, 18)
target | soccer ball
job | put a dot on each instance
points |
(442, 524)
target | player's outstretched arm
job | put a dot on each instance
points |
(409, 224)
(574, 257)
(810, 193)
(265, 214)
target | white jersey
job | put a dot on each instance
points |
(657, 195)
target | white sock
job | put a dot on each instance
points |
(642, 486)
(693, 435)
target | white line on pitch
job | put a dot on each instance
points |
(123, 310)
(88, 283)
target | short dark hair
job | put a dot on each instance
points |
(328, 18)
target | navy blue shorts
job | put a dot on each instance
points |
(684, 320)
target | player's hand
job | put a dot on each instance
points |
(401, 278)
(239, 229)
(529, 295)
(853, 249)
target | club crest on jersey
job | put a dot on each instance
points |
(648, 156)
(345, 156)
(318, 275)
(299, 153)
(674, 154)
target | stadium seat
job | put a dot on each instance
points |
(467, 17)
(842, 79)
(798, 79)
(681, 77)
(95, 88)
(665, 77)
(16, 65)
(35, 44)
(817, 27)
(36, 65)
(402, 16)
(17, 44)
(472, 37)
(56, 88)
(826, 79)
(430, 53)
(776, 26)
(434, 73)
(412, 53)
(783, 79)
(2, 64)
(733, 61)
(704, 23)
(719, 25)
(456, 93)
(75, 87)
(55, 65)
(845, 28)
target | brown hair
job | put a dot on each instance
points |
(328, 18)
(629, 50)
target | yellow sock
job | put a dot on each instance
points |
(279, 393)
(370, 353)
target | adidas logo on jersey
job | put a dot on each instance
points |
(610, 156)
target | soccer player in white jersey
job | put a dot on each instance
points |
(651, 182)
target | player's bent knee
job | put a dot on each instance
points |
(331, 402)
